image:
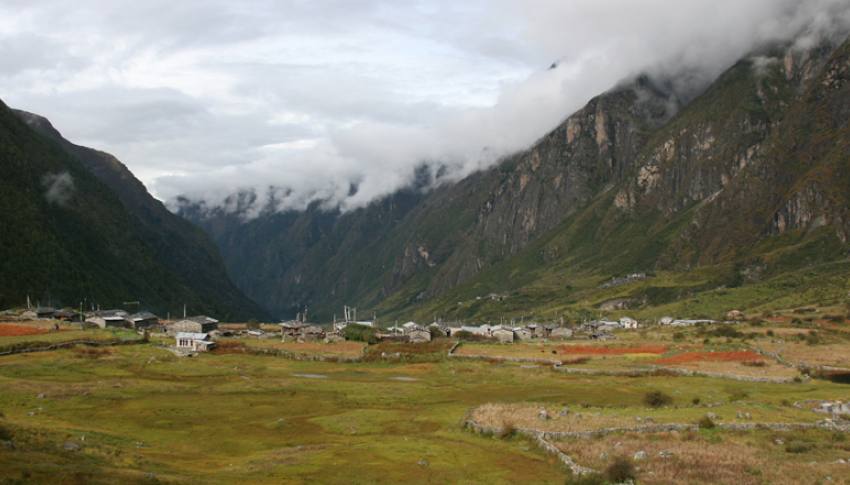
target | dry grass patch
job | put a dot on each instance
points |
(528, 416)
(801, 353)
(337, 349)
(714, 457)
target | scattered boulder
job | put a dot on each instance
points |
(7, 444)
(423, 462)
(564, 411)
(665, 453)
(543, 414)
(735, 315)
(640, 455)
(743, 416)
(71, 446)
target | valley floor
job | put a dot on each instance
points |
(139, 414)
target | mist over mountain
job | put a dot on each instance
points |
(299, 103)
(740, 184)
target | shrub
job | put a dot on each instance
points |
(706, 423)
(695, 401)
(678, 336)
(620, 470)
(770, 333)
(252, 325)
(799, 446)
(5, 433)
(754, 363)
(360, 333)
(657, 399)
(727, 331)
(436, 333)
(812, 338)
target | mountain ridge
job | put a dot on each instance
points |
(622, 167)
(106, 240)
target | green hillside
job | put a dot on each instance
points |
(69, 237)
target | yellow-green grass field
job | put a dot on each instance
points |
(138, 413)
(66, 333)
(348, 350)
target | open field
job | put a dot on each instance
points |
(349, 350)
(712, 457)
(40, 332)
(135, 414)
(626, 357)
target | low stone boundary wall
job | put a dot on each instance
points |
(301, 357)
(540, 440)
(68, 344)
(530, 360)
(660, 370)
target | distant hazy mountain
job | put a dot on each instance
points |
(78, 225)
(745, 182)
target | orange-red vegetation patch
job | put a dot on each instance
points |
(12, 330)
(735, 356)
(594, 350)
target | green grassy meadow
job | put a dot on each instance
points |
(140, 414)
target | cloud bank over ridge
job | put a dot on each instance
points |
(341, 100)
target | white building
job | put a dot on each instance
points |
(194, 342)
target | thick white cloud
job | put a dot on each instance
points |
(299, 100)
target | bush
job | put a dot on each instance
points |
(657, 399)
(360, 333)
(812, 338)
(5, 433)
(770, 333)
(727, 331)
(620, 470)
(678, 336)
(695, 401)
(252, 325)
(706, 423)
(799, 446)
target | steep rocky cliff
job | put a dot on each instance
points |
(639, 179)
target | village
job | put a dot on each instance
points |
(199, 333)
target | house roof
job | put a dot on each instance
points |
(201, 319)
(111, 313)
(192, 336)
(142, 316)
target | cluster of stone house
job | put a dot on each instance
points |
(408, 332)
(509, 333)
(295, 331)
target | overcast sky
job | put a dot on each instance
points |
(307, 97)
